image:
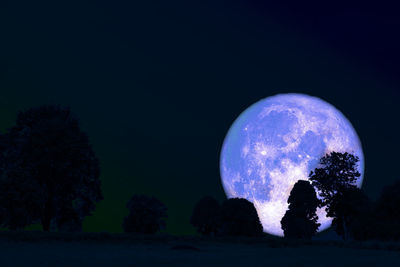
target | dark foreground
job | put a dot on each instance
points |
(38, 249)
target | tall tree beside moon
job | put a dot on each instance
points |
(278, 141)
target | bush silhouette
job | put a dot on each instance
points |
(146, 215)
(300, 220)
(48, 153)
(205, 217)
(239, 218)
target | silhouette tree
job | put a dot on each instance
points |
(338, 173)
(55, 160)
(388, 203)
(146, 215)
(387, 213)
(239, 218)
(300, 220)
(205, 216)
(350, 210)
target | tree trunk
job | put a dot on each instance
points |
(48, 210)
(46, 224)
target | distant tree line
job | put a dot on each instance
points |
(353, 215)
(49, 174)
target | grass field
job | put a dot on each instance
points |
(102, 249)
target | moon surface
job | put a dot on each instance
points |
(278, 141)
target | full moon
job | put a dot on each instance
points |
(278, 141)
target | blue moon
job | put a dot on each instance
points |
(278, 141)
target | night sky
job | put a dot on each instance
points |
(157, 84)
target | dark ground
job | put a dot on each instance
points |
(102, 249)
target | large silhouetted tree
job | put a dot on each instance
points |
(300, 220)
(146, 215)
(239, 218)
(338, 174)
(205, 216)
(350, 210)
(47, 152)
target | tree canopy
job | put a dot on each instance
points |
(337, 172)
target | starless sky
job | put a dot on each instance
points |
(157, 84)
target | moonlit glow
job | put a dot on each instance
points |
(278, 141)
